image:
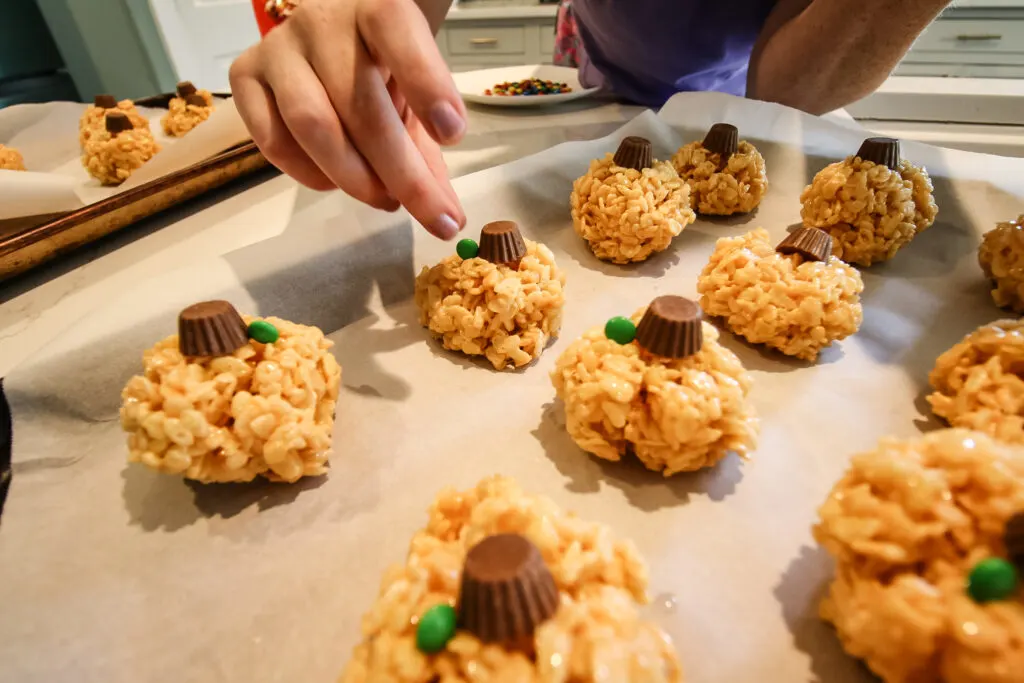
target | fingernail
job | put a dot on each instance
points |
(444, 227)
(447, 122)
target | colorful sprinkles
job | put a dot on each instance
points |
(530, 86)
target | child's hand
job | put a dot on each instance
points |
(354, 94)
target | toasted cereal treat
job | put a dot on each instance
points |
(925, 533)
(501, 299)
(94, 118)
(186, 111)
(657, 385)
(872, 203)
(112, 155)
(505, 587)
(726, 175)
(1001, 256)
(796, 297)
(230, 398)
(628, 206)
(979, 383)
(11, 159)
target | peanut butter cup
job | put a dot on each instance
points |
(671, 327)
(211, 328)
(502, 243)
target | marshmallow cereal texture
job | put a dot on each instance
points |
(266, 410)
(798, 307)
(112, 158)
(93, 120)
(480, 308)
(626, 215)
(722, 189)
(674, 415)
(11, 159)
(870, 210)
(1001, 256)
(182, 117)
(979, 383)
(906, 524)
(596, 633)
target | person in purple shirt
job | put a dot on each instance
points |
(354, 94)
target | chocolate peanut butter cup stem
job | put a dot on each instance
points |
(671, 327)
(813, 244)
(501, 242)
(634, 152)
(211, 328)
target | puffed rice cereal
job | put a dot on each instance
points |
(265, 410)
(626, 215)
(94, 118)
(798, 307)
(484, 309)
(906, 524)
(595, 635)
(182, 117)
(979, 383)
(870, 211)
(1001, 256)
(111, 159)
(11, 159)
(675, 415)
(736, 188)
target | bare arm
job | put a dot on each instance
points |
(819, 55)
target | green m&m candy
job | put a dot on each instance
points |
(992, 579)
(436, 628)
(620, 330)
(263, 332)
(467, 249)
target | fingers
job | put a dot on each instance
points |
(256, 106)
(312, 121)
(398, 36)
(359, 95)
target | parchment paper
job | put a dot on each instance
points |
(47, 137)
(110, 572)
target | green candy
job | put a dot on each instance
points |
(467, 249)
(436, 628)
(620, 330)
(992, 579)
(263, 332)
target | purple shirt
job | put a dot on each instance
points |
(648, 50)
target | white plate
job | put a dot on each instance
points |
(472, 84)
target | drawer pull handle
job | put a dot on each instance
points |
(973, 37)
(483, 41)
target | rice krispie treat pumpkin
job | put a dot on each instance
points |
(186, 111)
(796, 297)
(505, 587)
(501, 299)
(231, 398)
(11, 159)
(657, 385)
(94, 118)
(112, 155)
(873, 203)
(928, 540)
(979, 383)
(628, 206)
(1001, 256)
(726, 175)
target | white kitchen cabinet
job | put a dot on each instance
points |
(494, 35)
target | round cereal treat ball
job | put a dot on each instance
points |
(726, 175)
(674, 414)
(113, 154)
(1001, 256)
(979, 383)
(506, 312)
(259, 410)
(796, 303)
(628, 206)
(185, 113)
(871, 210)
(11, 159)
(908, 525)
(596, 628)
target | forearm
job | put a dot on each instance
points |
(821, 55)
(435, 11)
